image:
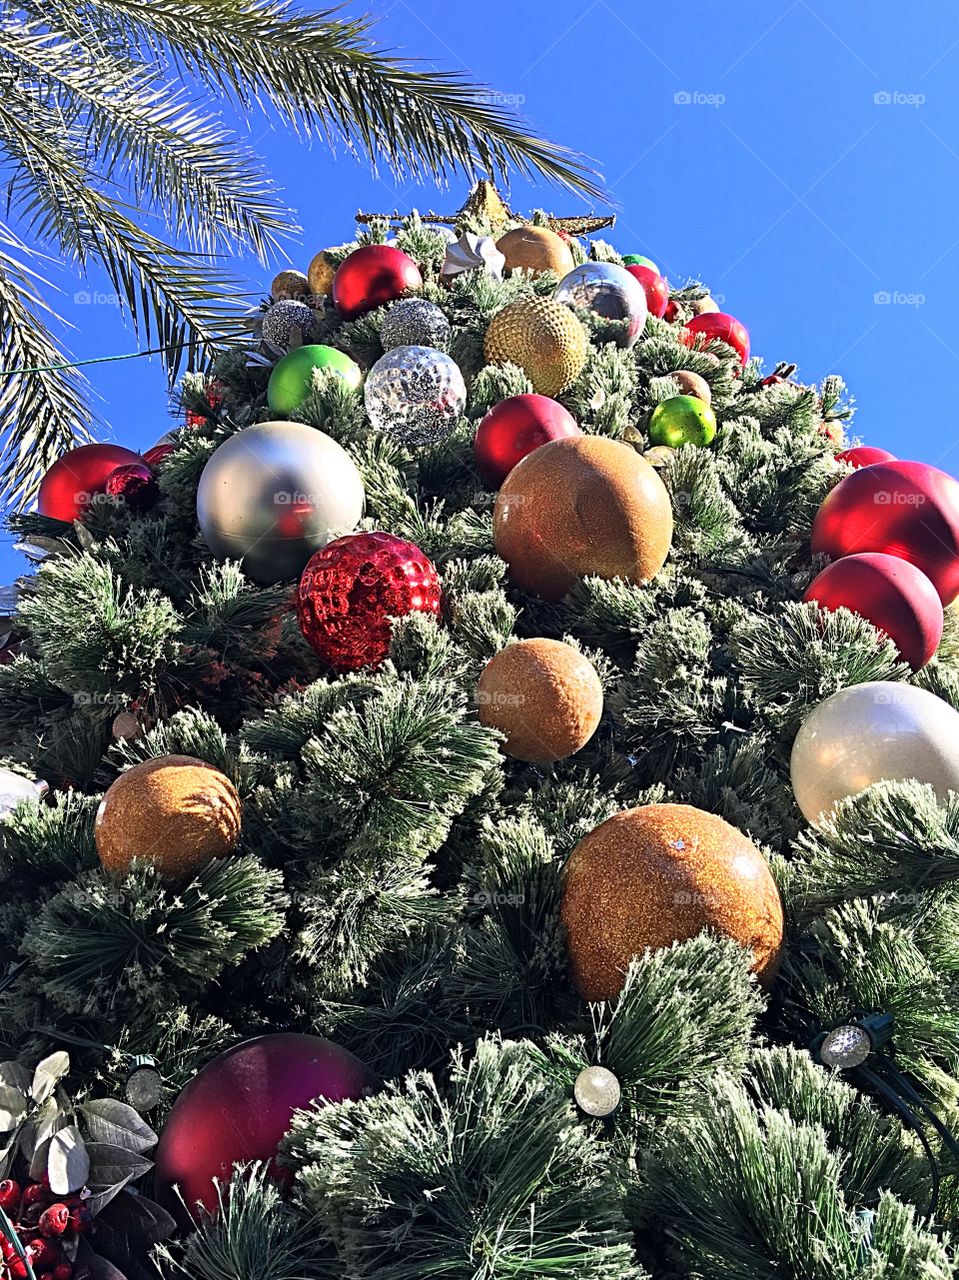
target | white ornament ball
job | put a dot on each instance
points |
(416, 394)
(597, 1091)
(880, 731)
(609, 291)
(414, 322)
(14, 787)
(273, 494)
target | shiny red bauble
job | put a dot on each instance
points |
(718, 326)
(351, 589)
(654, 286)
(515, 427)
(135, 484)
(671, 311)
(371, 276)
(864, 455)
(239, 1107)
(70, 485)
(890, 593)
(159, 453)
(905, 509)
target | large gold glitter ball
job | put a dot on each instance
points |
(660, 874)
(289, 284)
(544, 695)
(579, 506)
(175, 813)
(543, 337)
(320, 274)
(535, 249)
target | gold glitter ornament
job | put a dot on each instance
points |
(543, 337)
(175, 813)
(579, 506)
(544, 695)
(320, 275)
(692, 384)
(536, 249)
(660, 874)
(289, 284)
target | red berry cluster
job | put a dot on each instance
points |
(43, 1224)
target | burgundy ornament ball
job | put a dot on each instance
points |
(890, 593)
(351, 589)
(655, 288)
(515, 427)
(864, 455)
(904, 509)
(68, 488)
(135, 484)
(239, 1107)
(372, 276)
(718, 326)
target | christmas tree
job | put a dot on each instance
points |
(494, 757)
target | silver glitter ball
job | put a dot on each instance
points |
(414, 322)
(609, 291)
(416, 394)
(143, 1087)
(845, 1047)
(273, 494)
(286, 325)
(597, 1091)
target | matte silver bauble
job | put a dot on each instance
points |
(273, 494)
(880, 731)
(416, 394)
(414, 322)
(597, 1091)
(609, 291)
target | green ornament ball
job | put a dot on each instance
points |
(638, 260)
(682, 420)
(292, 378)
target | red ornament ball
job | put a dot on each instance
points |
(717, 325)
(371, 276)
(655, 288)
(135, 484)
(864, 455)
(70, 485)
(904, 509)
(515, 427)
(159, 453)
(671, 312)
(351, 588)
(239, 1106)
(890, 593)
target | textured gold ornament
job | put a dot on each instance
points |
(544, 695)
(175, 813)
(320, 275)
(535, 249)
(543, 337)
(583, 505)
(289, 284)
(660, 874)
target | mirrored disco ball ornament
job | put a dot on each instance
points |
(415, 394)
(597, 1091)
(609, 291)
(845, 1047)
(414, 322)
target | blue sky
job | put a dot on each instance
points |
(801, 158)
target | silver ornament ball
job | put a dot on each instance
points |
(416, 394)
(845, 1047)
(880, 731)
(414, 322)
(288, 324)
(609, 291)
(273, 494)
(14, 788)
(597, 1091)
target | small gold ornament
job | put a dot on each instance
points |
(175, 813)
(535, 249)
(320, 275)
(543, 337)
(289, 284)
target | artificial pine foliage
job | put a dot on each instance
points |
(398, 880)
